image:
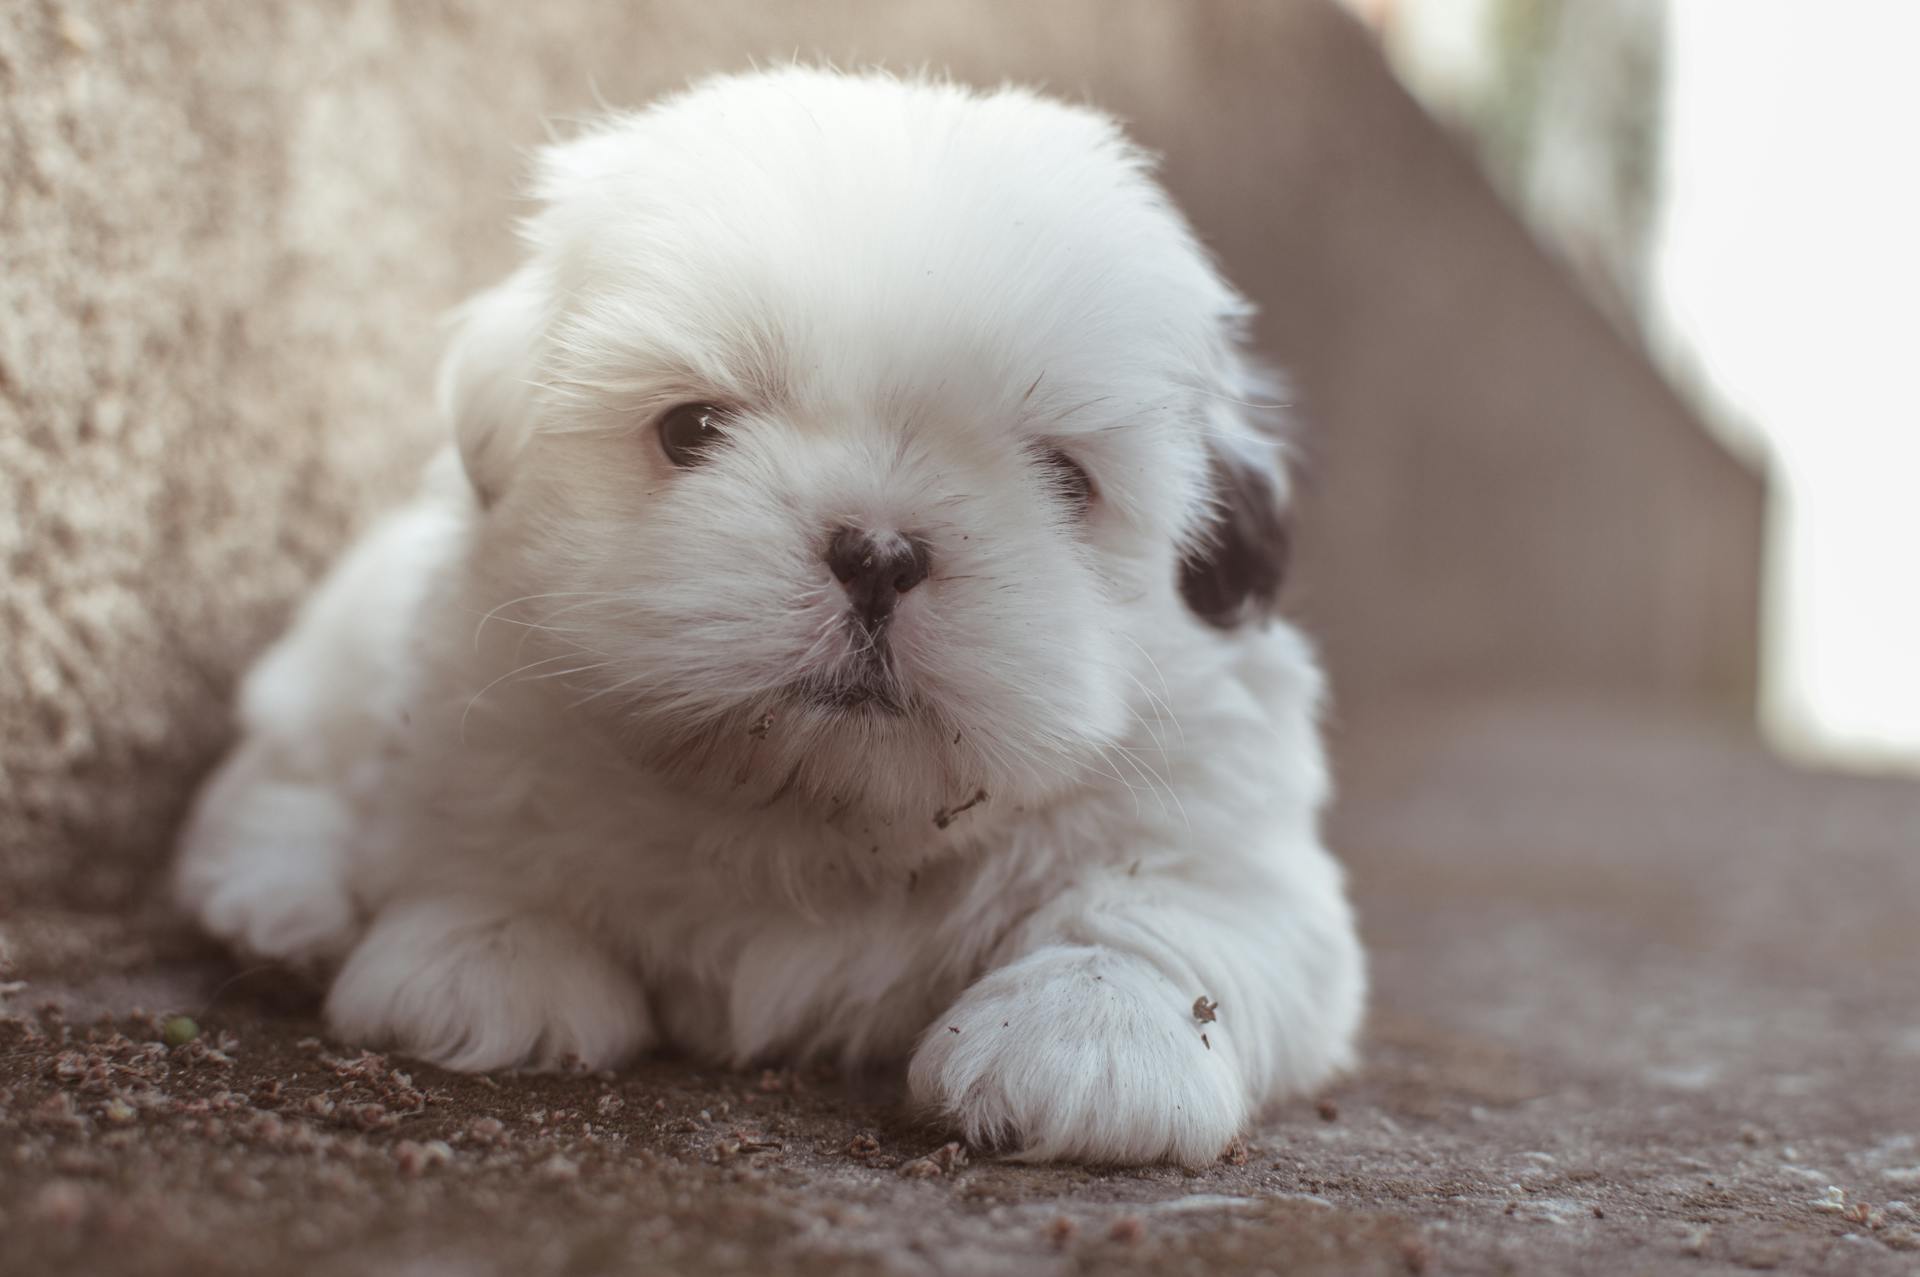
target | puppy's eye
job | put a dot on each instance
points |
(690, 432)
(1073, 484)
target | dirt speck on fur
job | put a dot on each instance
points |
(946, 815)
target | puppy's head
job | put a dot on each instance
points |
(855, 439)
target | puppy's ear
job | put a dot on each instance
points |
(1233, 573)
(485, 386)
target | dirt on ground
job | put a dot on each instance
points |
(1646, 1002)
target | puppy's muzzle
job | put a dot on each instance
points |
(876, 568)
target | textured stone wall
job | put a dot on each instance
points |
(227, 231)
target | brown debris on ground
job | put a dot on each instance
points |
(259, 1143)
(1574, 1064)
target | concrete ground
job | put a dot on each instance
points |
(1646, 1001)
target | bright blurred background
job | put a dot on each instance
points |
(1737, 182)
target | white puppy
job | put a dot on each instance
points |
(845, 630)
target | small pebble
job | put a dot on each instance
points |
(414, 1159)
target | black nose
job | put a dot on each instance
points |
(876, 568)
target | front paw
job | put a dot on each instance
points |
(1082, 1054)
(474, 986)
(261, 869)
(280, 912)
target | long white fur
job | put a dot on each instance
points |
(527, 774)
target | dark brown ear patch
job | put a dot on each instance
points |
(1234, 574)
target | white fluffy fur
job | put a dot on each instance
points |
(511, 774)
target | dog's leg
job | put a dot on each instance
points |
(1145, 1017)
(266, 858)
(474, 984)
(263, 862)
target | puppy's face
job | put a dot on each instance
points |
(855, 440)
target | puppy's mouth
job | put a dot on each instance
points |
(864, 683)
(853, 696)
